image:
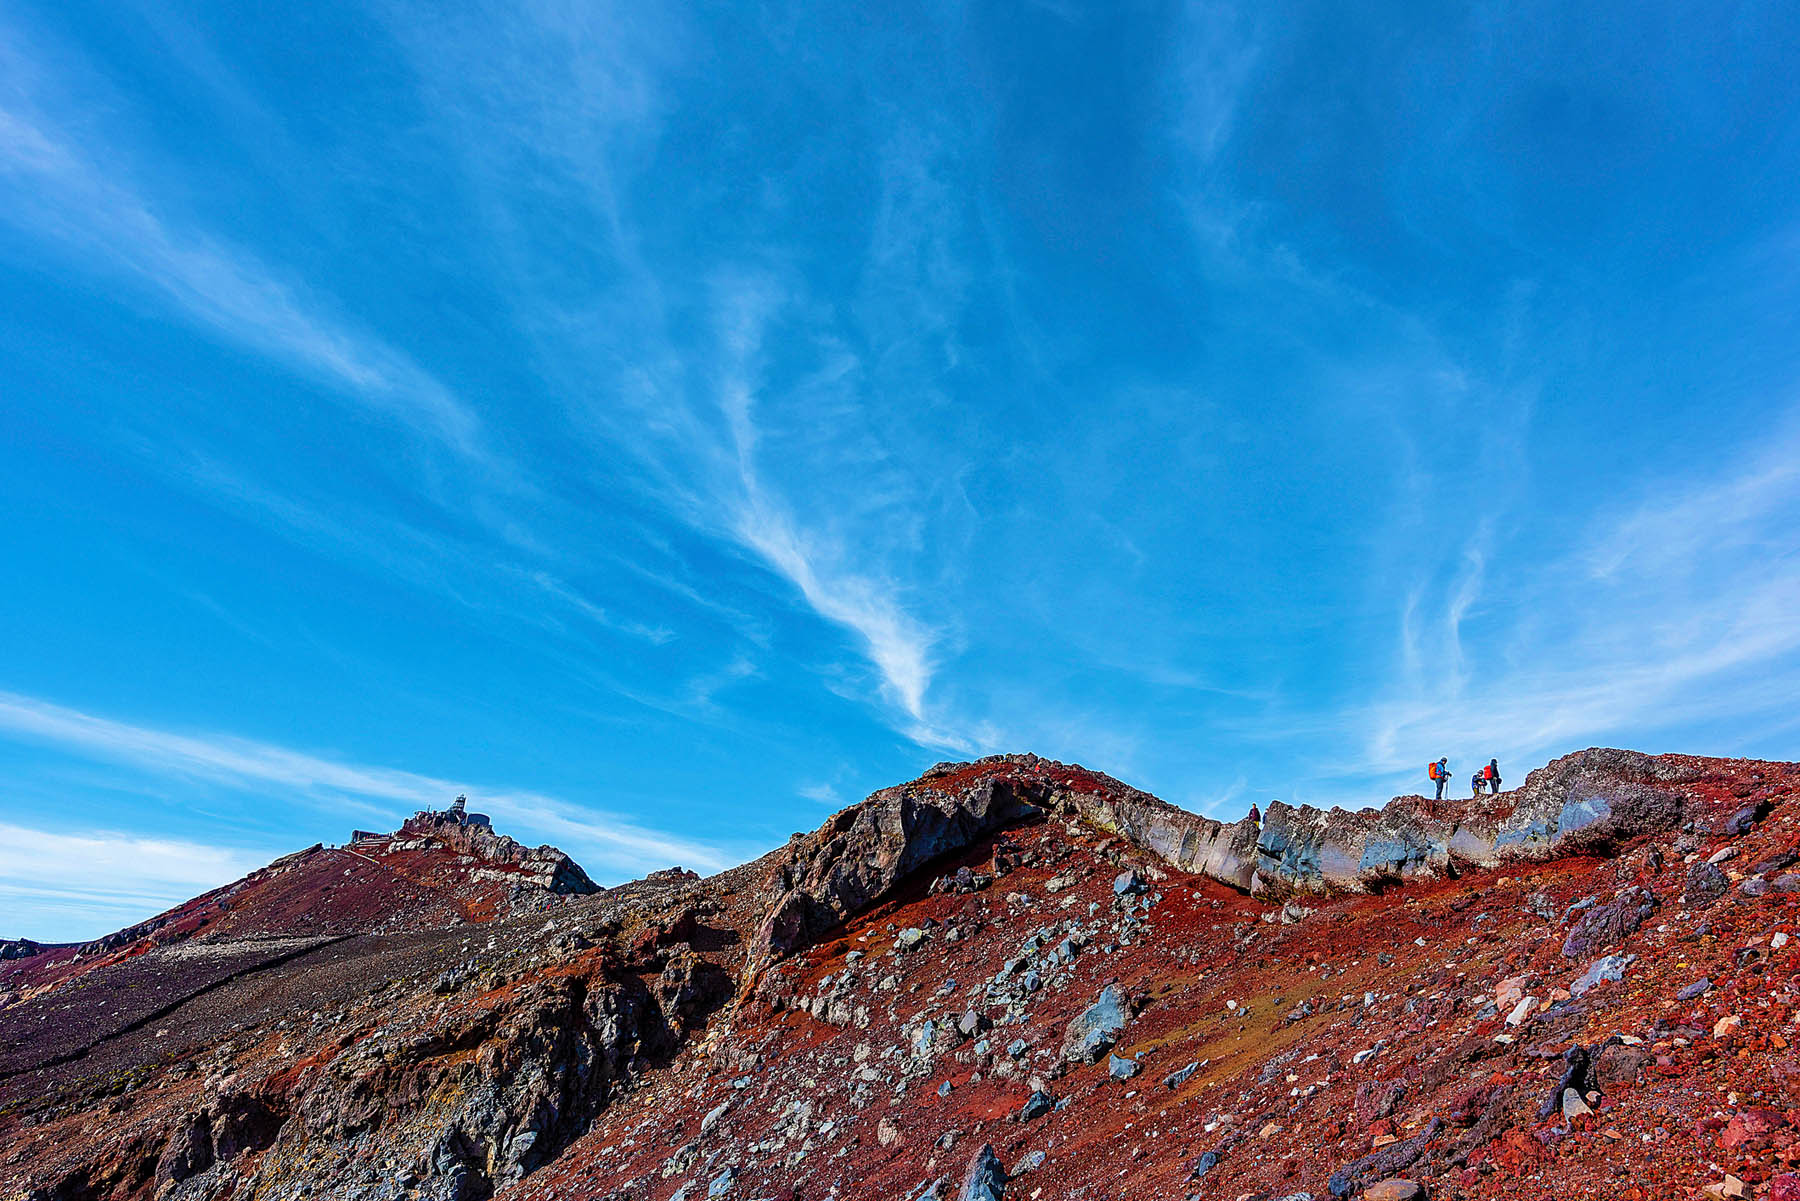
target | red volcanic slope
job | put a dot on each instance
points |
(431, 874)
(1613, 1023)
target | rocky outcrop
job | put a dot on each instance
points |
(450, 1107)
(1587, 802)
(471, 1104)
(1223, 851)
(19, 948)
(863, 851)
(542, 866)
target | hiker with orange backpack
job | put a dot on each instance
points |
(1439, 772)
(1490, 776)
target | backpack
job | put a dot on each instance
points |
(1487, 773)
(1431, 771)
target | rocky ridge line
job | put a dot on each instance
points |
(1586, 801)
(543, 866)
(451, 1069)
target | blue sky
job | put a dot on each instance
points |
(667, 425)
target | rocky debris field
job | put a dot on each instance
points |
(1009, 979)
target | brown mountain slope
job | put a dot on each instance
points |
(435, 871)
(1332, 1003)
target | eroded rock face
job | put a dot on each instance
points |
(866, 849)
(521, 1079)
(1586, 802)
(544, 866)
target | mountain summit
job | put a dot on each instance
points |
(1006, 979)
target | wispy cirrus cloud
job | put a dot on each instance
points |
(62, 885)
(602, 840)
(550, 584)
(898, 644)
(560, 108)
(1677, 608)
(77, 192)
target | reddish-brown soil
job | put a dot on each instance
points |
(1323, 1031)
(1277, 1097)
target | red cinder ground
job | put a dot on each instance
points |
(1321, 1031)
(1279, 1096)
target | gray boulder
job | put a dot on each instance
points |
(1122, 1069)
(1604, 925)
(986, 1178)
(1705, 884)
(1094, 1031)
(1607, 970)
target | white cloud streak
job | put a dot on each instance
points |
(598, 615)
(75, 879)
(896, 643)
(598, 839)
(1679, 611)
(84, 203)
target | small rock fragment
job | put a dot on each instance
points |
(1397, 1189)
(1607, 970)
(1122, 1069)
(986, 1178)
(1180, 1076)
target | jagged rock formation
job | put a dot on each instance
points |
(1004, 978)
(19, 948)
(863, 851)
(1585, 801)
(544, 867)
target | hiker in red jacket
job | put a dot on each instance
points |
(1439, 772)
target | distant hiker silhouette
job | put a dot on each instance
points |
(1490, 775)
(1439, 772)
(1475, 783)
(1255, 815)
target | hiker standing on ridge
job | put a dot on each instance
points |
(1439, 772)
(1255, 815)
(1475, 782)
(1491, 774)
